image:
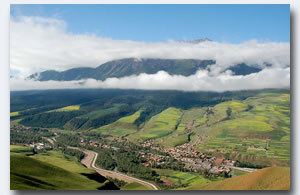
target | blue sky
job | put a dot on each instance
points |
(151, 23)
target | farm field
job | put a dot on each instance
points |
(180, 180)
(48, 171)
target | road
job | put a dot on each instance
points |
(90, 159)
(249, 170)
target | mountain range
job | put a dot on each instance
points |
(133, 66)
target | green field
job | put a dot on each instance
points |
(14, 114)
(51, 170)
(159, 125)
(69, 108)
(180, 180)
(121, 127)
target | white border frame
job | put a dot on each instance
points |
(5, 101)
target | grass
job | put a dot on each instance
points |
(103, 112)
(134, 186)
(57, 158)
(121, 127)
(20, 149)
(14, 114)
(159, 125)
(181, 180)
(69, 108)
(47, 171)
(273, 178)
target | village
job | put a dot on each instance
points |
(186, 154)
(193, 160)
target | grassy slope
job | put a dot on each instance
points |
(159, 125)
(121, 127)
(47, 171)
(260, 134)
(180, 136)
(258, 130)
(273, 178)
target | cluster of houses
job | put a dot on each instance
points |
(152, 159)
(96, 144)
(37, 146)
(192, 159)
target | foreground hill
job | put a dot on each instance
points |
(132, 66)
(273, 178)
(49, 171)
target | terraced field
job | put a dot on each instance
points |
(159, 125)
(49, 170)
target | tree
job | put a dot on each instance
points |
(229, 112)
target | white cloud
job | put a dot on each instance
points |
(39, 44)
(201, 81)
(43, 43)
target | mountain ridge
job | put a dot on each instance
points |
(133, 66)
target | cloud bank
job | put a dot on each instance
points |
(201, 81)
(39, 44)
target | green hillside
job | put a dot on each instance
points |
(190, 118)
(258, 130)
(121, 127)
(49, 170)
(159, 125)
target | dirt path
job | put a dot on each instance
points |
(249, 170)
(90, 159)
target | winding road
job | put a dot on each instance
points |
(90, 160)
(245, 169)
